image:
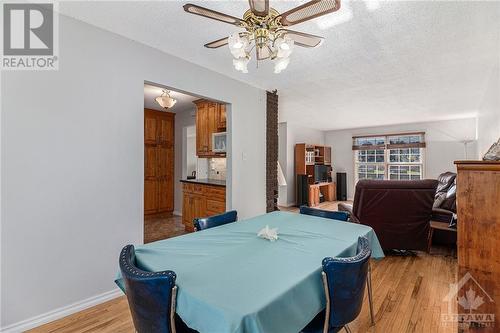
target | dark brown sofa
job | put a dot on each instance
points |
(398, 210)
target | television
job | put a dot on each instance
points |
(321, 173)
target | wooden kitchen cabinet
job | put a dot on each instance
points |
(158, 162)
(201, 200)
(210, 118)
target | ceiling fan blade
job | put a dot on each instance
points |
(303, 39)
(259, 7)
(217, 43)
(212, 14)
(262, 52)
(308, 11)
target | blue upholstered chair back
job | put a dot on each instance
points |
(345, 284)
(328, 214)
(151, 296)
(216, 220)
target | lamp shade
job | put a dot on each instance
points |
(165, 100)
(281, 176)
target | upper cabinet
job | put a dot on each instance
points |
(210, 119)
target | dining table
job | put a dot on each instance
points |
(230, 280)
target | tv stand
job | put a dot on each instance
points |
(328, 189)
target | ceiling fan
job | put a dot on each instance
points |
(266, 31)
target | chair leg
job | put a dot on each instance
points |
(347, 329)
(370, 295)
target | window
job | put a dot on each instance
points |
(398, 157)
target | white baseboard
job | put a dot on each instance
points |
(176, 213)
(61, 312)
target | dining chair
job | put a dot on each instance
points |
(344, 281)
(215, 221)
(328, 214)
(151, 296)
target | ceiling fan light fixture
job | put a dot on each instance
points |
(266, 31)
(241, 64)
(284, 46)
(165, 101)
(280, 64)
(237, 45)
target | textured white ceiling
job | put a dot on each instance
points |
(384, 62)
(184, 102)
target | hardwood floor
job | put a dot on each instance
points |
(408, 297)
(158, 228)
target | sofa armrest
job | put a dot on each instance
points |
(441, 215)
(345, 207)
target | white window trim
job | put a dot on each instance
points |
(386, 162)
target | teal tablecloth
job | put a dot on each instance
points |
(231, 281)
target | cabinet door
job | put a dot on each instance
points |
(221, 119)
(213, 112)
(199, 206)
(150, 196)
(166, 129)
(202, 129)
(150, 158)
(165, 162)
(150, 126)
(187, 211)
(165, 197)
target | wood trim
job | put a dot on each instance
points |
(406, 145)
(389, 134)
(368, 147)
(478, 165)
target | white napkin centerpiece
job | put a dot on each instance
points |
(268, 233)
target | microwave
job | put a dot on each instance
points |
(219, 142)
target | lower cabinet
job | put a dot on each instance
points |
(200, 200)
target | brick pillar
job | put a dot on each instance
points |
(272, 152)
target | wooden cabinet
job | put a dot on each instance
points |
(158, 162)
(478, 209)
(200, 200)
(328, 190)
(210, 118)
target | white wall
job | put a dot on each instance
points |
(295, 133)
(183, 119)
(282, 159)
(442, 138)
(72, 163)
(489, 114)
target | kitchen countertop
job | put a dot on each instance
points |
(215, 182)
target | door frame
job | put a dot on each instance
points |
(229, 155)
